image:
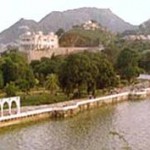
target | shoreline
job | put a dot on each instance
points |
(70, 108)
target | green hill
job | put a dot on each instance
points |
(79, 37)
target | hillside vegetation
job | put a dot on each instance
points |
(86, 38)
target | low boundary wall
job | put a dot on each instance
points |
(71, 110)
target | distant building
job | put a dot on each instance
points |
(38, 41)
(90, 25)
(137, 37)
(144, 77)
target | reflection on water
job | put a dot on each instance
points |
(125, 126)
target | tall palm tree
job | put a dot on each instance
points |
(52, 83)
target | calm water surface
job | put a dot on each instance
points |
(125, 126)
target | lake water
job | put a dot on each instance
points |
(125, 126)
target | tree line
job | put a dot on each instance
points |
(74, 74)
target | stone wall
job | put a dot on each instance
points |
(38, 54)
(73, 109)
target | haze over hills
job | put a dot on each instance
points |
(12, 33)
(65, 20)
(144, 28)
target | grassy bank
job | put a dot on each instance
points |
(42, 98)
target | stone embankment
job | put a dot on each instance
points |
(38, 54)
(68, 109)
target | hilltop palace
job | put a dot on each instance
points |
(38, 45)
(38, 41)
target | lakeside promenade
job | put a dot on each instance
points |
(68, 108)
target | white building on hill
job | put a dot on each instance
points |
(38, 41)
(91, 25)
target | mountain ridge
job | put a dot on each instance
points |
(103, 16)
(66, 19)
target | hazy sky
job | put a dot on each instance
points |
(133, 11)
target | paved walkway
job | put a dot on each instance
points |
(72, 102)
(39, 107)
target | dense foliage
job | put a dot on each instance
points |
(16, 70)
(79, 37)
(127, 64)
(145, 61)
(76, 75)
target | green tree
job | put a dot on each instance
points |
(111, 52)
(86, 71)
(23, 85)
(9, 69)
(104, 72)
(15, 67)
(145, 61)
(107, 76)
(127, 64)
(76, 73)
(60, 32)
(52, 83)
(1, 80)
(46, 66)
(11, 89)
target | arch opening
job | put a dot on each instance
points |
(14, 108)
(9, 106)
(6, 110)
